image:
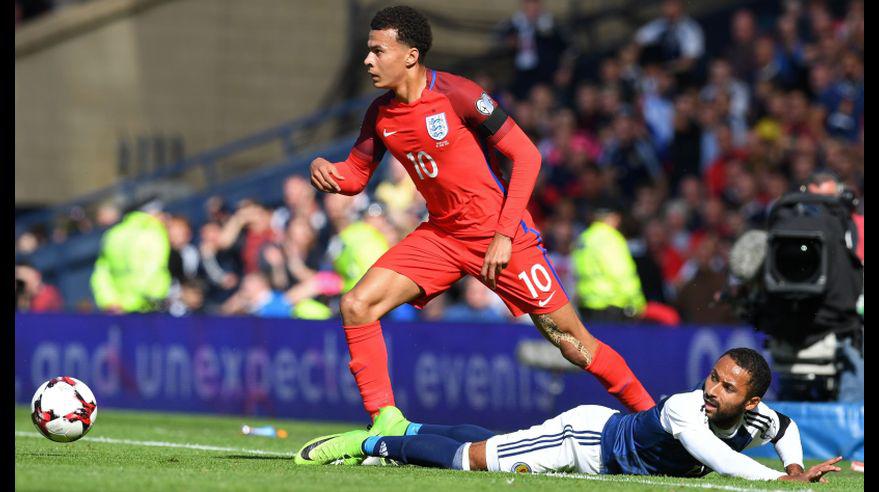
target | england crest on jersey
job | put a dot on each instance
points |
(437, 127)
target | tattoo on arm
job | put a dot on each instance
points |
(551, 331)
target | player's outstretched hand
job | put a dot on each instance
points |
(324, 176)
(496, 259)
(815, 473)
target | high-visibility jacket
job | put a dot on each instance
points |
(605, 271)
(131, 272)
(360, 245)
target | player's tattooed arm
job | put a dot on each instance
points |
(571, 348)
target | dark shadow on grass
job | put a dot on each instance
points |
(255, 457)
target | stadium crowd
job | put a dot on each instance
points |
(668, 148)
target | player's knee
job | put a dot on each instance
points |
(355, 309)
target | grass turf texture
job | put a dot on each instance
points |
(113, 456)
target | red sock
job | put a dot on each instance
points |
(369, 365)
(614, 374)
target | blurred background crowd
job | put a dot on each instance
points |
(655, 159)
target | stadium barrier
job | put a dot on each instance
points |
(442, 372)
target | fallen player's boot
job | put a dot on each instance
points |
(389, 422)
(335, 449)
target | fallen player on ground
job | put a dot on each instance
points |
(685, 435)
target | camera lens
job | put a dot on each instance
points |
(797, 260)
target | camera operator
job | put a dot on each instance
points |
(850, 349)
(800, 283)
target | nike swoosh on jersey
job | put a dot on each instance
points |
(546, 301)
(388, 134)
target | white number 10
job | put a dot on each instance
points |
(420, 166)
(544, 283)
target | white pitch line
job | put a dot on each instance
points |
(599, 478)
(642, 481)
(163, 444)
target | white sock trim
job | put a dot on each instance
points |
(465, 458)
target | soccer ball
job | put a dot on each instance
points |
(63, 409)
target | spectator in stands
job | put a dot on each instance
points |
(248, 230)
(216, 210)
(586, 101)
(191, 299)
(791, 53)
(27, 243)
(257, 297)
(559, 237)
(131, 273)
(767, 67)
(32, 294)
(107, 215)
(219, 268)
(658, 109)
(661, 250)
(539, 45)
(692, 191)
(721, 81)
(608, 287)
(686, 146)
(716, 174)
(674, 40)
(477, 304)
(740, 51)
(299, 201)
(405, 207)
(676, 216)
(184, 257)
(844, 100)
(593, 187)
(803, 161)
(629, 156)
(702, 277)
(649, 270)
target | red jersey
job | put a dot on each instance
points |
(441, 139)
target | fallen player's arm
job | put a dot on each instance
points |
(703, 445)
(788, 445)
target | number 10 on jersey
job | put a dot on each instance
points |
(421, 167)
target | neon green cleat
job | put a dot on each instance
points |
(335, 449)
(390, 422)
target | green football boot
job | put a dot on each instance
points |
(335, 449)
(389, 422)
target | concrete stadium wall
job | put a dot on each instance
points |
(208, 70)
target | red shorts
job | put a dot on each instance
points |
(435, 260)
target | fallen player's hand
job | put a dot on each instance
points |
(323, 173)
(496, 259)
(815, 473)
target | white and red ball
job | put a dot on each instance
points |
(63, 409)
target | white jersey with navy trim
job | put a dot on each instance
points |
(673, 438)
(676, 438)
(570, 442)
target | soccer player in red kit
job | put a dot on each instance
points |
(438, 125)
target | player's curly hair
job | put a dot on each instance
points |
(412, 27)
(751, 361)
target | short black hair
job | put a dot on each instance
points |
(751, 361)
(412, 27)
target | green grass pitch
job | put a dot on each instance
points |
(129, 450)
